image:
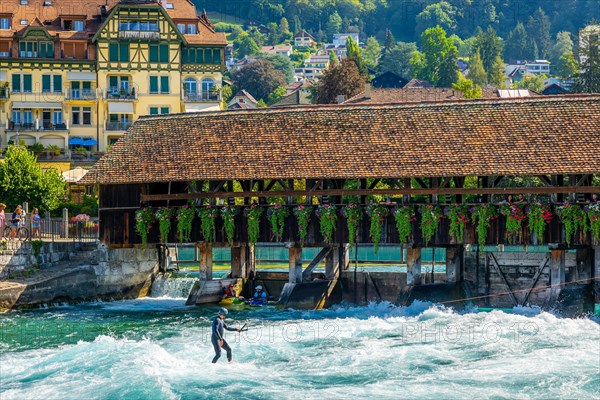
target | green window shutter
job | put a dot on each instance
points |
(124, 52)
(87, 85)
(27, 83)
(113, 52)
(42, 50)
(51, 50)
(22, 47)
(199, 56)
(164, 53)
(57, 83)
(45, 83)
(113, 82)
(208, 56)
(164, 84)
(16, 83)
(154, 84)
(216, 56)
(185, 56)
(75, 85)
(164, 110)
(153, 110)
(153, 53)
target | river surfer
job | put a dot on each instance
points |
(217, 338)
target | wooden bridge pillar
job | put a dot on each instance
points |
(454, 264)
(250, 260)
(413, 275)
(597, 280)
(206, 261)
(239, 265)
(557, 273)
(295, 275)
(332, 263)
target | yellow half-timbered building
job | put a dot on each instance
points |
(80, 72)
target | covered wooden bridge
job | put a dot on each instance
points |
(429, 157)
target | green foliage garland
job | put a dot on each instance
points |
(327, 219)
(572, 217)
(207, 215)
(538, 217)
(302, 214)
(377, 212)
(354, 214)
(593, 212)
(164, 215)
(144, 218)
(253, 214)
(430, 219)
(458, 216)
(404, 216)
(185, 216)
(514, 220)
(482, 216)
(277, 215)
(228, 214)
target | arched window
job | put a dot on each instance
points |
(207, 84)
(190, 85)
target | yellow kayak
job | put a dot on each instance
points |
(231, 302)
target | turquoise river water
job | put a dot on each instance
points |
(157, 348)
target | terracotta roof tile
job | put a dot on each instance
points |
(528, 136)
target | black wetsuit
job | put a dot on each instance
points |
(217, 334)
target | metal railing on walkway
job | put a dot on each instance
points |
(55, 230)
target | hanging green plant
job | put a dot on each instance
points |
(327, 220)
(538, 217)
(253, 214)
(228, 214)
(404, 216)
(430, 220)
(354, 214)
(458, 214)
(144, 218)
(377, 212)
(277, 215)
(593, 213)
(482, 216)
(164, 215)
(185, 216)
(514, 216)
(302, 214)
(208, 215)
(572, 217)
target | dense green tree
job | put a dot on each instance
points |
(566, 67)
(343, 79)
(333, 59)
(587, 79)
(534, 83)
(468, 88)
(353, 53)
(517, 45)
(244, 46)
(333, 25)
(438, 61)
(439, 14)
(489, 46)
(538, 30)
(23, 180)
(257, 36)
(284, 30)
(477, 73)
(397, 60)
(259, 78)
(276, 95)
(497, 75)
(298, 57)
(273, 35)
(390, 41)
(466, 48)
(282, 64)
(562, 45)
(372, 52)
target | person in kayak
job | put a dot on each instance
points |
(217, 338)
(259, 293)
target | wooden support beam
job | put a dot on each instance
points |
(239, 266)
(413, 263)
(383, 192)
(545, 180)
(206, 266)
(557, 273)
(454, 264)
(313, 264)
(422, 183)
(494, 262)
(332, 264)
(295, 274)
(535, 279)
(374, 183)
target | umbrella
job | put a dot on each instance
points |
(74, 175)
(75, 141)
(89, 142)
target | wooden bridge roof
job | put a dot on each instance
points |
(532, 136)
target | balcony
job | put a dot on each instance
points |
(21, 126)
(120, 94)
(202, 97)
(32, 127)
(135, 35)
(81, 94)
(118, 126)
(51, 126)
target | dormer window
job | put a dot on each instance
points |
(23, 22)
(47, 3)
(24, 2)
(170, 6)
(78, 26)
(191, 29)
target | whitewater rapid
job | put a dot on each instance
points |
(160, 349)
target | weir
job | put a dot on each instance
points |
(492, 176)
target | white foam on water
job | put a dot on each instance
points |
(379, 351)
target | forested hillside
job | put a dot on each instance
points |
(407, 19)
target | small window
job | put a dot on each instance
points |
(191, 29)
(78, 26)
(181, 28)
(24, 2)
(170, 6)
(23, 22)
(4, 23)
(47, 3)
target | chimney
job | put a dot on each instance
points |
(367, 91)
(340, 99)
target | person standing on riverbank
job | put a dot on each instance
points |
(2, 219)
(36, 224)
(217, 338)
